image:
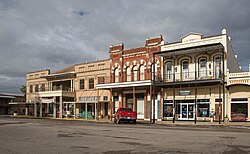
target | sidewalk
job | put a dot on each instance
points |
(201, 123)
(166, 123)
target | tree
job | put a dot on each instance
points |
(23, 89)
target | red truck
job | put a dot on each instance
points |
(125, 114)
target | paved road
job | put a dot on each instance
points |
(19, 135)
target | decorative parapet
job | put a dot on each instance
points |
(239, 78)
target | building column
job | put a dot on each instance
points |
(150, 93)
(54, 107)
(86, 110)
(26, 110)
(111, 103)
(61, 108)
(95, 111)
(35, 109)
(41, 109)
(134, 100)
(74, 110)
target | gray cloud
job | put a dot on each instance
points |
(55, 34)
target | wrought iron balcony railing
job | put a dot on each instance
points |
(188, 76)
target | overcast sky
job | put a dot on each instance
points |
(41, 34)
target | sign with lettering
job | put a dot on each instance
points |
(185, 92)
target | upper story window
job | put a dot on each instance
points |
(91, 67)
(134, 73)
(185, 69)
(36, 88)
(101, 80)
(116, 75)
(31, 88)
(168, 70)
(141, 71)
(128, 72)
(101, 66)
(217, 66)
(81, 84)
(43, 87)
(105, 98)
(81, 69)
(202, 67)
(91, 83)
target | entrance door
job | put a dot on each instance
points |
(140, 108)
(218, 111)
(187, 111)
(116, 104)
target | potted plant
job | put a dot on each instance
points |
(226, 119)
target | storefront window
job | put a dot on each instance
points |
(203, 107)
(239, 106)
(203, 110)
(168, 110)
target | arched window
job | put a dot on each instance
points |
(128, 74)
(116, 74)
(154, 71)
(217, 66)
(141, 69)
(168, 70)
(134, 73)
(185, 72)
(202, 68)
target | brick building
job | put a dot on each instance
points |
(131, 79)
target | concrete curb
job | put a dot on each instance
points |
(161, 123)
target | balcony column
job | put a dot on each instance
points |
(95, 110)
(174, 105)
(150, 93)
(195, 90)
(71, 85)
(26, 110)
(86, 110)
(61, 108)
(35, 109)
(41, 109)
(74, 110)
(111, 103)
(225, 105)
(54, 107)
(154, 75)
(134, 99)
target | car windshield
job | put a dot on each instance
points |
(126, 109)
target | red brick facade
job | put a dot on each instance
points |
(129, 60)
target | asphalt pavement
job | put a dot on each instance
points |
(24, 136)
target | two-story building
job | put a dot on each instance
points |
(69, 92)
(194, 76)
(131, 79)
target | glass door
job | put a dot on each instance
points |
(187, 111)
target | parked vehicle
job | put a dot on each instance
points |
(125, 114)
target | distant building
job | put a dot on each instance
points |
(70, 92)
(7, 101)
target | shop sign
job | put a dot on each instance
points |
(185, 92)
